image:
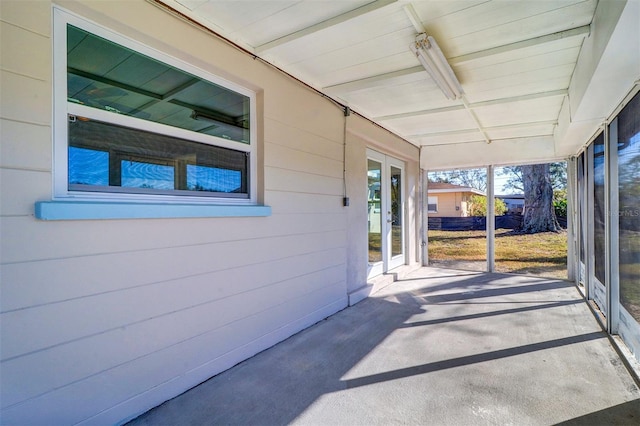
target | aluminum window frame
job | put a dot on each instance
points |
(62, 108)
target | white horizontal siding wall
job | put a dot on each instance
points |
(102, 320)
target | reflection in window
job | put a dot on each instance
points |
(581, 215)
(105, 157)
(375, 215)
(396, 211)
(201, 178)
(137, 174)
(629, 202)
(104, 75)
(599, 213)
(88, 166)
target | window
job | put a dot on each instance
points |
(629, 201)
(599, 212)
(432, 205)
(135, 124)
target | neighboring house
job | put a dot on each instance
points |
(514, 203)
(449, 200)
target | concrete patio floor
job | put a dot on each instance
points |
(439, 347)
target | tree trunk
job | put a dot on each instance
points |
(539, 215)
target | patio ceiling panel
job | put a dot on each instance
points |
(435, 123)
(526, 111)
(418, 95)
(514, 59)
(498, 23)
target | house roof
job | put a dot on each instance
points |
(511, 196)
(445, 187)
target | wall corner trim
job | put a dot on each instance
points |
(95, 210)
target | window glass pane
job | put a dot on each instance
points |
(629, 199)
(599, 213)
(375, 214)
(88, 166)
(104, 75)
(396, 211)
(138, 174)
(581, 183)
(106, 157)
(201, 178)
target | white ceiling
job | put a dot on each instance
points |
(514, 59)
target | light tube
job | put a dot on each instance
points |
(430, 56)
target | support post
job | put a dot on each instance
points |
(491, 221)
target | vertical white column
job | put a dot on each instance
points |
(491, 221)
(573, 261)
(612, 228)
(424, 228)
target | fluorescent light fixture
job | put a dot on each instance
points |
(430, 56)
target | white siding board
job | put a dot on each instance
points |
(41, 240)
(279, 105)
(93, 355)
(287, 158)
(280, 133)
(38, 20)
(100, 392)
(25, 146)
(293, 181)
(20, 190)
(25, 99)
(33, 52)
(43, 283)
(50, 325)
(283, 202)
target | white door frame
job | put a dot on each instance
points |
(389, 261)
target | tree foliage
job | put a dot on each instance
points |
(477, 206)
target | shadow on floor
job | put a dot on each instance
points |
(619, 415)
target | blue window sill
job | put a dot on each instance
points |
(89, 210)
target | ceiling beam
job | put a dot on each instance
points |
(479, 139)
(475, 119)
(488, 129)
(369, 7)
(532, 96)
(574, 32)
(370, 82)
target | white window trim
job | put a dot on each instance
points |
(61, 107)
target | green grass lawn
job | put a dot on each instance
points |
(543, 254)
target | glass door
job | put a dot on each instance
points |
(385, 213)
(597, 223)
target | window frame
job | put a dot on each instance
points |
(62, 108)
(429, 203)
